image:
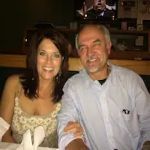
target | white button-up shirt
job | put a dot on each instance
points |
(115, 115)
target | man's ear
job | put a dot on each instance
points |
(78, 52)
(109, 45)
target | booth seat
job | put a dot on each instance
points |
(14, 64)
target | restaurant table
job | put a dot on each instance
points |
(13, 146)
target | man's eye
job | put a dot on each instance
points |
(82, 48)
(97, 43)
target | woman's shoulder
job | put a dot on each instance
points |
(13, 80)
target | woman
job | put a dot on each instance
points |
(33, 98)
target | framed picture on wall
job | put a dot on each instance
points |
(101, 10)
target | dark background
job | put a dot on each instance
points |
(19, 15)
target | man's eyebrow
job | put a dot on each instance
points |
(97, 41)
(80, 45)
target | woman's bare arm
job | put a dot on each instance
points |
(7, 105)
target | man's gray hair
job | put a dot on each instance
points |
(102, 28)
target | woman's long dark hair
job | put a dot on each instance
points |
(30, 80)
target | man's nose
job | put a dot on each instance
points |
(89, 51)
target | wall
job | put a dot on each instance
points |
(138, 9)
(18, 15)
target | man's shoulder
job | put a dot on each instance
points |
(109, 13)
(78, 78)
(123, 71)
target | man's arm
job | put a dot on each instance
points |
(142, 98)
(68, 113)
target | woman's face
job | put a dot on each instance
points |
(49, 60)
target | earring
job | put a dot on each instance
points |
(58, 76)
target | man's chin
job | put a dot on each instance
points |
(92, 69)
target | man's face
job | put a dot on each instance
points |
(93, 50)
(100, 4)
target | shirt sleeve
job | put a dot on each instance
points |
(67, 113)
(142, 102)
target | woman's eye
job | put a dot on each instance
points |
(56, 55)
(42, 53)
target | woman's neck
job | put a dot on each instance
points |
(46, 89)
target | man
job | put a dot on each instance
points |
(111, 103)
(94, 9)
(102, 9)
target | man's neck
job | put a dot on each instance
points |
(101, 75)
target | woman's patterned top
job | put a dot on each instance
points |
(23, 121)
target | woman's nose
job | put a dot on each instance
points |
(49, 59)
